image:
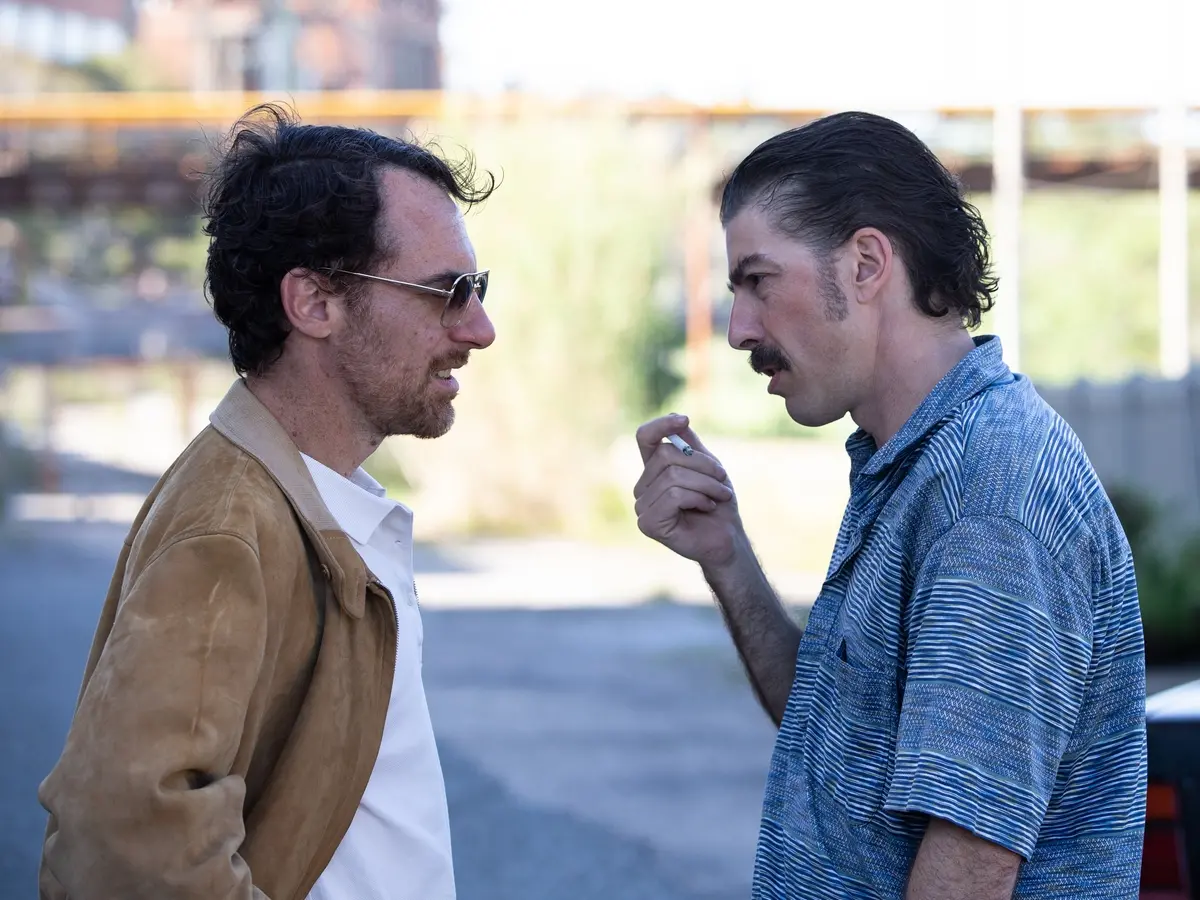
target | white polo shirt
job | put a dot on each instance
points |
(398, 845)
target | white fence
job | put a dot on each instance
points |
(1142, 434)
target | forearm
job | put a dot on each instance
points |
(765, 635)
(954, 863)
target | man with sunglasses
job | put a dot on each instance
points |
(252, 722)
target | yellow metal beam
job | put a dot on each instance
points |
(184, 110)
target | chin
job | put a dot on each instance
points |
(429, 424)
(433, 426)
(434, 431)
(810, 417)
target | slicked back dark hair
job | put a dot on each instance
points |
(825, 180)
(285, 195)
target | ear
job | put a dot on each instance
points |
(873, 260)
(311, 308)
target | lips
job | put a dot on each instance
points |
(447, 367)
(443, 376)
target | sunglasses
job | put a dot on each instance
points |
(466, 287)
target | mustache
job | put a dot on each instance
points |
(453, 361)
(764, 358)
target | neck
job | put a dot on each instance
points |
(320, 419)
(908, 365)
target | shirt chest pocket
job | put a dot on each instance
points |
(850, 743)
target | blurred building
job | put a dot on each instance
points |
(66, 32)
(285, 45)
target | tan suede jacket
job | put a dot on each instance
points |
(233, 702)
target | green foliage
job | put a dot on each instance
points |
(1089, 283)
(18, 467)
(580, 237)
(182, 253)
(128, 70)
(101, 246)
(583, 238)
(1168, 577)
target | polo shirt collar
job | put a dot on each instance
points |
(975, 372)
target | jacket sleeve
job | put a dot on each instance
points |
(142, 801)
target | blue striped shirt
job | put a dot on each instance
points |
(975, 654)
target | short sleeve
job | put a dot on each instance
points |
(999, 646)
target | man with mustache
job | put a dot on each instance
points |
(252, 722)
(962, 715)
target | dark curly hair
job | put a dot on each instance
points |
(825, 180)
(284, 195)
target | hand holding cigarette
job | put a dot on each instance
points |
(684, 499)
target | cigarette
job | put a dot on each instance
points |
(681, 444)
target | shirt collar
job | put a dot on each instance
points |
(358, 503)
(976, 371)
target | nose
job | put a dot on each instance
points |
(745, 329)
(476, 327)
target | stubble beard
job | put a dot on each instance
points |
(393, 401)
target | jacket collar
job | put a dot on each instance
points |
(243, 420)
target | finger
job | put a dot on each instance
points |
(692, 438)
(680, 484)
(659, 517)
(665, 457)
(654, 432)
(678, 496)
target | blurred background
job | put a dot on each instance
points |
(598, 735)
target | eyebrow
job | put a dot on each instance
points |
(738, 273)
(441, 278)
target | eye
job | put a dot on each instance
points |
(750, 280)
